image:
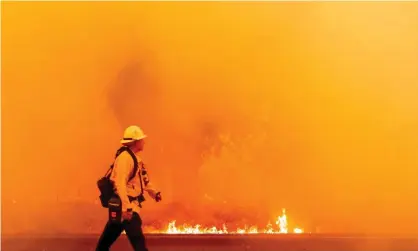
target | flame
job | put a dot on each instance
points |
(281, 227)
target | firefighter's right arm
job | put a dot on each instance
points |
(121, 171)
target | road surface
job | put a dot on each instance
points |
(219, 243)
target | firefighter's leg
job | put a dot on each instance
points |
(110, 233)
(133, 229)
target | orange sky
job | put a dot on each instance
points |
(308, 106)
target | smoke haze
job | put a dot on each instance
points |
(249, 108)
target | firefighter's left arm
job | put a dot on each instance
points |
(149, 186)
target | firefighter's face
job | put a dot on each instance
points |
(139, 144)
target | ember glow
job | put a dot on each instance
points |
(280, 226)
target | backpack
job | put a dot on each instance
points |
(105, 185)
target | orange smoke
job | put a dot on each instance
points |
(249, 108)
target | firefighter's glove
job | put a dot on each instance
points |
(127, 215)
(158, 197)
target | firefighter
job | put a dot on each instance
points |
(130, 192)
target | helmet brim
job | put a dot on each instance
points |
(127, 141)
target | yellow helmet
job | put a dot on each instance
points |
(132, 133)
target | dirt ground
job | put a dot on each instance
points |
(221, 243)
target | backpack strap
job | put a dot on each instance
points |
(136, 166)
(135, 163)
(118, 152)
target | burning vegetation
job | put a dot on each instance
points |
(279, 226)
